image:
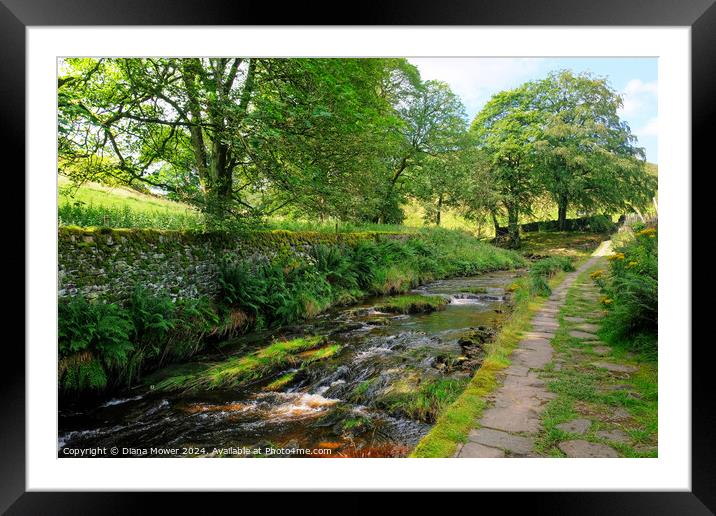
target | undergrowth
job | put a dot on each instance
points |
(542, 270)
(631, 288)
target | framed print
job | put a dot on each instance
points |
(396, 241)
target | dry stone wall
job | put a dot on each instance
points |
(108, 264)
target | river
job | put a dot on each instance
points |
(349, 405)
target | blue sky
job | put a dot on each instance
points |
(477, 79)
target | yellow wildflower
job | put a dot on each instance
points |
(607, 301)
(650, 232)
(617, 256)
(631, 264)
(597, 274)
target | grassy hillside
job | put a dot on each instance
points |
(94, 204)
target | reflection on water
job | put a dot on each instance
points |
(333, 404)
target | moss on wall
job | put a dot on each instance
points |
(107, 264)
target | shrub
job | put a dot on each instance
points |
(194, 319)
(335, 265)
(600, 224)
(242, 287)
(282, 292)
(153, 317)
(631, 291)
(94, 341)
(289, 289)
(104, 344)
(543, 269)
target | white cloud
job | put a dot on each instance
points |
(651, 128)
(636, 86)
(638, 95)
(476, 79)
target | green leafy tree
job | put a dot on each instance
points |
(237, 137)
(475, 195)
(432, 121)
(506, 132)
(588, 158)
(444, 180)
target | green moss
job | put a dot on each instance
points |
(360, 390)
(281, 382)
(424, 400)
(412, 304)
(238, 371)
(319, 354)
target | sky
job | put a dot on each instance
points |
(475, 80)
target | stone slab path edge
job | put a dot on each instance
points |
(508, 427)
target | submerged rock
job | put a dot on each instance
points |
(472, 343)
(476, 336)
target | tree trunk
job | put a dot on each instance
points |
(391, 188)
(440, 207)
(562, 212)
(189, 75)
(495, 223)
(513, 227)
(221, 171)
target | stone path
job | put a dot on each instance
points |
(508, 428)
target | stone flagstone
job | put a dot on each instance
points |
(574, 319)
(511, 419)
(585, 449)
(615, 368)
(544, 325)
(615, 435)
(472, 450)
(619, 414)
(497, 439)
(532, 358)
(582, 334)
(576, 426)
(517, 370)
(591, 328)
(539, 334)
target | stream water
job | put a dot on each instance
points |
(333, 407)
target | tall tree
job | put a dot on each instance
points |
(432, 122)
(443, 180)
(505, 132)
(476, 196)
(588, 158)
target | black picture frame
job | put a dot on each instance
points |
(700, 15)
